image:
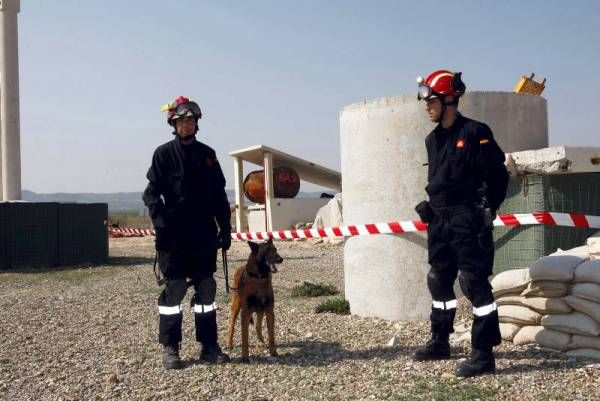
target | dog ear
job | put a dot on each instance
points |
(253, 246)
(270, 241)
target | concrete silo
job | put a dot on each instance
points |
(383, 178)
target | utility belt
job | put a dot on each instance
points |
(427, 212)
(450, 211)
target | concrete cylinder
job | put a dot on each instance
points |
(383, 178)
(10, 145)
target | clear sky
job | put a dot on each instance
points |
(95, 73)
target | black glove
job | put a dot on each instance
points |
(224, 239)
(164, 240)
(424, 211)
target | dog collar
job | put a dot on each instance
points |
(257, 276)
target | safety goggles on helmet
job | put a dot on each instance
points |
(425, 92)
(188, 109)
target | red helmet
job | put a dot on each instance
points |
(439, 84)
(182, 107)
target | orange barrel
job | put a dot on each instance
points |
(286, 184)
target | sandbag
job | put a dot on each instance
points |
(547, 338)
(588, 272)
(508, 330)
(589, 291)
(581, 251)
(510, 300)
(590, 308)
(554, 267)
(574, 323)
(553, 339)
(593, 244)
(579, 341)
(546, 289)
(585, 353)
(510, 282)
(545, 306)
(527, 335)
(518, 315)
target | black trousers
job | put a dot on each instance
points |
(460, 246)
(177, 268)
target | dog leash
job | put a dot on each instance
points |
(159, 280)
(225, 269)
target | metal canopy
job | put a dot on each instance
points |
(308, 171)
(268, 158)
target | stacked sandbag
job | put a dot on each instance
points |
(593, 244)
(559, 305)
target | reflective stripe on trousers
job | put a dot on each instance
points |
(445, 305)
(205, 308)
(485, 310)
(169, 310)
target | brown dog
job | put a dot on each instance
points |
(253, 293)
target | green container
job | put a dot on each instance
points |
(32, 234)
(83, 236)
(36, 235)
(518, 247)
(3, 238)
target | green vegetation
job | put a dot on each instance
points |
(335, 305)
(314, 290)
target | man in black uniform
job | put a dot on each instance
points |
(467, 182)
(185, 196)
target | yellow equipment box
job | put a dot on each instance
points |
(529, 85)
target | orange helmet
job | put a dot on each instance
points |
(439, 84)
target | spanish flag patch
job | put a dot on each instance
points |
(460, 143)
(484, 141)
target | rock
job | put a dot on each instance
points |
(113, 379)
(394, 341)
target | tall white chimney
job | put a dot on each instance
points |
(10, 148)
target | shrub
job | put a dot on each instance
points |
(314, 290)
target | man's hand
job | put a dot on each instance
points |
(224, 239)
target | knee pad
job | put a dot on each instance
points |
(206, 290)
(434, 284)
(174, 292)
(476, 288)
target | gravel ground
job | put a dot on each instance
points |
(91, 334)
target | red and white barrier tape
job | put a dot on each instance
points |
(396, 227)
(129, 232)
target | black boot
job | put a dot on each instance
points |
(171, 358)
(480, 363)
(437, 348)
(213, 354)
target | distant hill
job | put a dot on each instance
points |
(117, 201)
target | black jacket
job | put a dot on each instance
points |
(185, 195)
(462, 158)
